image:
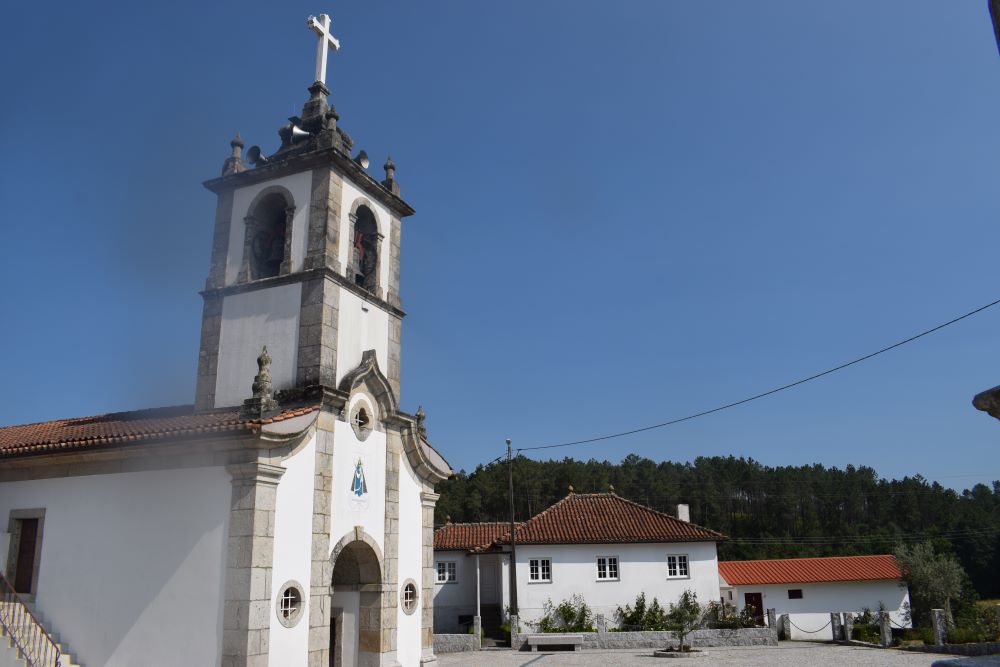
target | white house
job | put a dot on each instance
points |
(599, 545)
(809, 589)
(286, 517)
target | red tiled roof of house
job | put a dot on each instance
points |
(810, 570)
(605, 518)
(469, 535)
(126, 427)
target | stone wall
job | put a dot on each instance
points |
(455, 643)
(698, 638)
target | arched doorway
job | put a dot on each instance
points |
(356, 605)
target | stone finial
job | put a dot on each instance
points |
(390, 176)
(234, 163)
(611, 488)
(262, 403)
(447, 518)
(421, 418)
(571, 488)
(988, 401)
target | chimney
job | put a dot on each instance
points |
(684, 513)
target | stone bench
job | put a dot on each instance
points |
(555, 639)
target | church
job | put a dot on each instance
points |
(286, 516)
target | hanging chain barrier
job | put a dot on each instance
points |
(809, 632)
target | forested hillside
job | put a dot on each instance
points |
(766, 512)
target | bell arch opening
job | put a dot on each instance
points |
(267, 235)
(365, 250)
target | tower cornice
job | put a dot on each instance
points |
(301, 276)
(294, 164)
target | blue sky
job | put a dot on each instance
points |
(626, 212)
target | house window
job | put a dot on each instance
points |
(540, 569)
(446, 572)
(794, 593)
(408, 596)
(607, 568)
(677, 566)
(290, 604)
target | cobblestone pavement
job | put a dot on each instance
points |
(797, 654)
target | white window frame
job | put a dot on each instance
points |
(681, 562)
(607, 568)
(539, 565)
(450, 572)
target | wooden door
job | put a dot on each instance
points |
(24, 566)
(489, 576)
(755, 600)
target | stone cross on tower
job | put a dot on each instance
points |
(321, 26)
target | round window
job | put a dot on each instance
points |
(290, 603)
(408, 596)
(361, 421)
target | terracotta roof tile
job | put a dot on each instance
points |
(605, 518)
(126, 427)
(810, 570)
(469, 535)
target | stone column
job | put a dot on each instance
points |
(208, 353)
(321, 570)
(323, 233)
(784, 627)
(390, 574)
(835, 626)
(602, 624)
(514, 625)
(885, 628)
(848, 626)
(477, 627)
(940, 627)
(772, 618)
(247, 616)
(427, 503)
(319, 312)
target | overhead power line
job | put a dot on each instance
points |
(765, 393)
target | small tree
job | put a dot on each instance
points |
(572, 615)
(684, 617)
(935, 580)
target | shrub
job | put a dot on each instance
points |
(572, 615)
(724, 615)
(968, 635)
(642, 617)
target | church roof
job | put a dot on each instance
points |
(60, 435)
(469, 535)
(810, 570)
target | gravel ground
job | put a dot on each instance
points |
(798, 654)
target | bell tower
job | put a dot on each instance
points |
(305, 259)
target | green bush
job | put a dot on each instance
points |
(684, 617)
(572, 615)
(641, 617)
(724, 616)
(967, 635)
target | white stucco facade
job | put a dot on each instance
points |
(125, 556)
(456, 600)
(811, 612)
(642, 569)
(292, 550)
(250, 321)
(360, 326)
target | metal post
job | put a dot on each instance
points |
(513, 533)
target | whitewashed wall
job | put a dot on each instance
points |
(300, 187)
(293, 552)
(346, 510)
(249, 321)
(642, 568)
(410, 563)
(132, 565)
(812, 612)
(452, 600)
(361, 326)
